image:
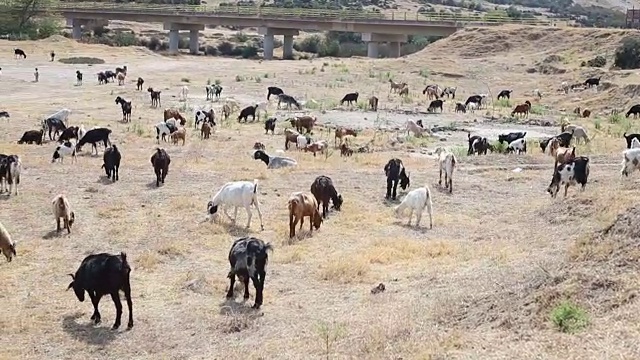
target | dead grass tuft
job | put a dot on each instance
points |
(345, 269)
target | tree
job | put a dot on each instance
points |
(30, 17)
(628, 53)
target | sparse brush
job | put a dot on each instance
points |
(569, 318)
(186, 80)
(505, 103)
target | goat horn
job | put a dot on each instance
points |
(72, 276)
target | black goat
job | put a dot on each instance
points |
(248, 111)
(592, 81)
(78, 77)
(155, 97)
(635, 110)
(506, 94)
(248, 259)
(110, 75)
(395, 171)
(564, 138)
(69, 133)
(270, 125)
(544, 143)
(630, 138)
(160, 161)
(435, 104)
(94, 136)
(273, 90)
(473, 99)
(19, 54)
(510, 137)
(477, 145)
(102, 78)
(32, 136)
(323, 190)
(102, 274)
(4, 114)
(126, 108)
(288, 100)
(55, 125)
(111, 159)
(139, 83)
(349, 98)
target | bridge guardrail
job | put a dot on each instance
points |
(299, 13)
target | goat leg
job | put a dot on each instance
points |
(440, 180)
(258, 285)
(95, 300)
(232, 281)
(58, 225)
(245, 279)
(116, 300)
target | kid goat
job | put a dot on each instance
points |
(62, 209)
(417, 200)
(447, 163)
(236, 194)
(301, 205)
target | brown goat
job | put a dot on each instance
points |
(205, 130)
(396, 86)
(577, 111)
(62, 209)
(290, 135)
(586, 113)
(319, 146)
(179, 134)
(563, 156)
(345, 150)
(300, 205)
(373, 103)
(304, 122)
(258, 146)
(404, 91)
(174, 114)
(522, 109)
(341, 132)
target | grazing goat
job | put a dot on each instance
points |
(273, 90)
(248, 259)
(349, 99)
(461, 108)
(78, 78)
(93, 137)
(544, 143)
(180, 134)
(318, 146)
(10, 169)
(510, 137)
(373, 103)
(416, 200)
(68, 134)
(505, 94)
(635, 110)
(478, 145)
(160, 161)
(449, 91)
(111, 162)
(288, 100)
(592, 82)
(431, 91)
(304, 122)
(447, 163)
(578, 133)
(139, 84)
(236, 194)
(323, 190)
(205, 116)
(53, 125)
(110, 75)
(102, 274)
(412, 127)
(522, 109)
(630, 161)
(274, 162)
(270, 125)
(395, 172)
(248, 111)
(477, 99)
(435, 104)
(205, 131)
(345, 150)
(155, 97)
(300, 205)
(102, 78)
(564, 138)
(174, 114)
(184, 93)
(62, 209)
(32, 136)
(64, 149)
(629, 138)
(586, 113)
(519, 145)
(575, 171)
(126, 108)
(18, 53)
(342, 133)
(396, 87)
(7, 246)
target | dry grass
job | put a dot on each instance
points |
(480, 284)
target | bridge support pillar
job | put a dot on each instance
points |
(76, 32)
(174, 36)
(287, 51)
(193, 42)
(174, 40)
(394, 41)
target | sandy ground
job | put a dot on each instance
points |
(480, 284)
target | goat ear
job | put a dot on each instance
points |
(70, 286)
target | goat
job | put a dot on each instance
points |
(342, 133)
(449, 91)
(258, 146)
(473, 99)
(7, 246)
(460, 107)
(53, 125)
(184, 93)
(10, 169)
(435, 104)
(174, 114)
(270, 125)
(318, 146)
(32, 136)
(236, 194)
(373, 103)
(323, 190)
(505, 94)
(19, 53)
(139, 84)
(586, 113)
(522, 109)
(519, 145)
(431, 91)
(303, 122)
(510, 137)
(300, 205)
(345, 150)
(111, 162)
(163, 129)
(634, 110)
(273, 90)
(213, 90)
(396, 87)
(274, 162)
(248, 258)
(155, 97)
(349, 99)
(68, 134)
(4, 114)
(94, 136)
(290, 136)
(302, 141)
(160, 161)
(404, 91)
(447, 163)
(537, 93)
(102, 78)
(629, 138)
(78, 78)
(416, 200)
(479, 145)
(205, 116)
(248, 111)
(578, 132)
(180, 134)
(205, 131)
(575, 171)
(102, 274)
(121, 70)
(121, 77)
(592, 82)
(126, 108)
(110, 75)
(81, 132)
(412, 127)
(62, 209)
(64, 149)
(395, 172)
(288, 100)
(563, 156)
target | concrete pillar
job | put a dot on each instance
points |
(174, 40)
(372, 49)
(77, 29)
(287, 50)
(394, 49)
(268, 46)
(193, 42)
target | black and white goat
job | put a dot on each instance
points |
(248, 258)
(93, 137)
(571, 173)
(10, 169)
(64, 150)
(236, 194)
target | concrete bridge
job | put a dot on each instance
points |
(376, 27)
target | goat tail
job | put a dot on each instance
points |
(428, 203)
(123, 256)
(255, 186)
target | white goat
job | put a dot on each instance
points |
(232, 103)
(162, 131)
(413, 127)
(62, 115)
(472, 106)
(274, 162)
(417, 200)
(184, 93)
(579, 133)
(537, 93)
(7, 246)
(236, 194)
(519, 145)
(65, 149)
(630, 161)
(62, 209)
(448, 163)
(262, 107)
(301, 142)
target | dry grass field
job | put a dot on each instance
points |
(482, 283)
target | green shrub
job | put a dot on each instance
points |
(628, 53)
(569, 318)
(125, 39)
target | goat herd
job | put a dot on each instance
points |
(102, 274)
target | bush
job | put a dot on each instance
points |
(628, 53)
(125, 39)
(598, 61)
(210, 50)
(99, 31)
(309, 44)
(154, 44)
(82, 60)
(226, 48)
(249, 51)
(569, 318)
